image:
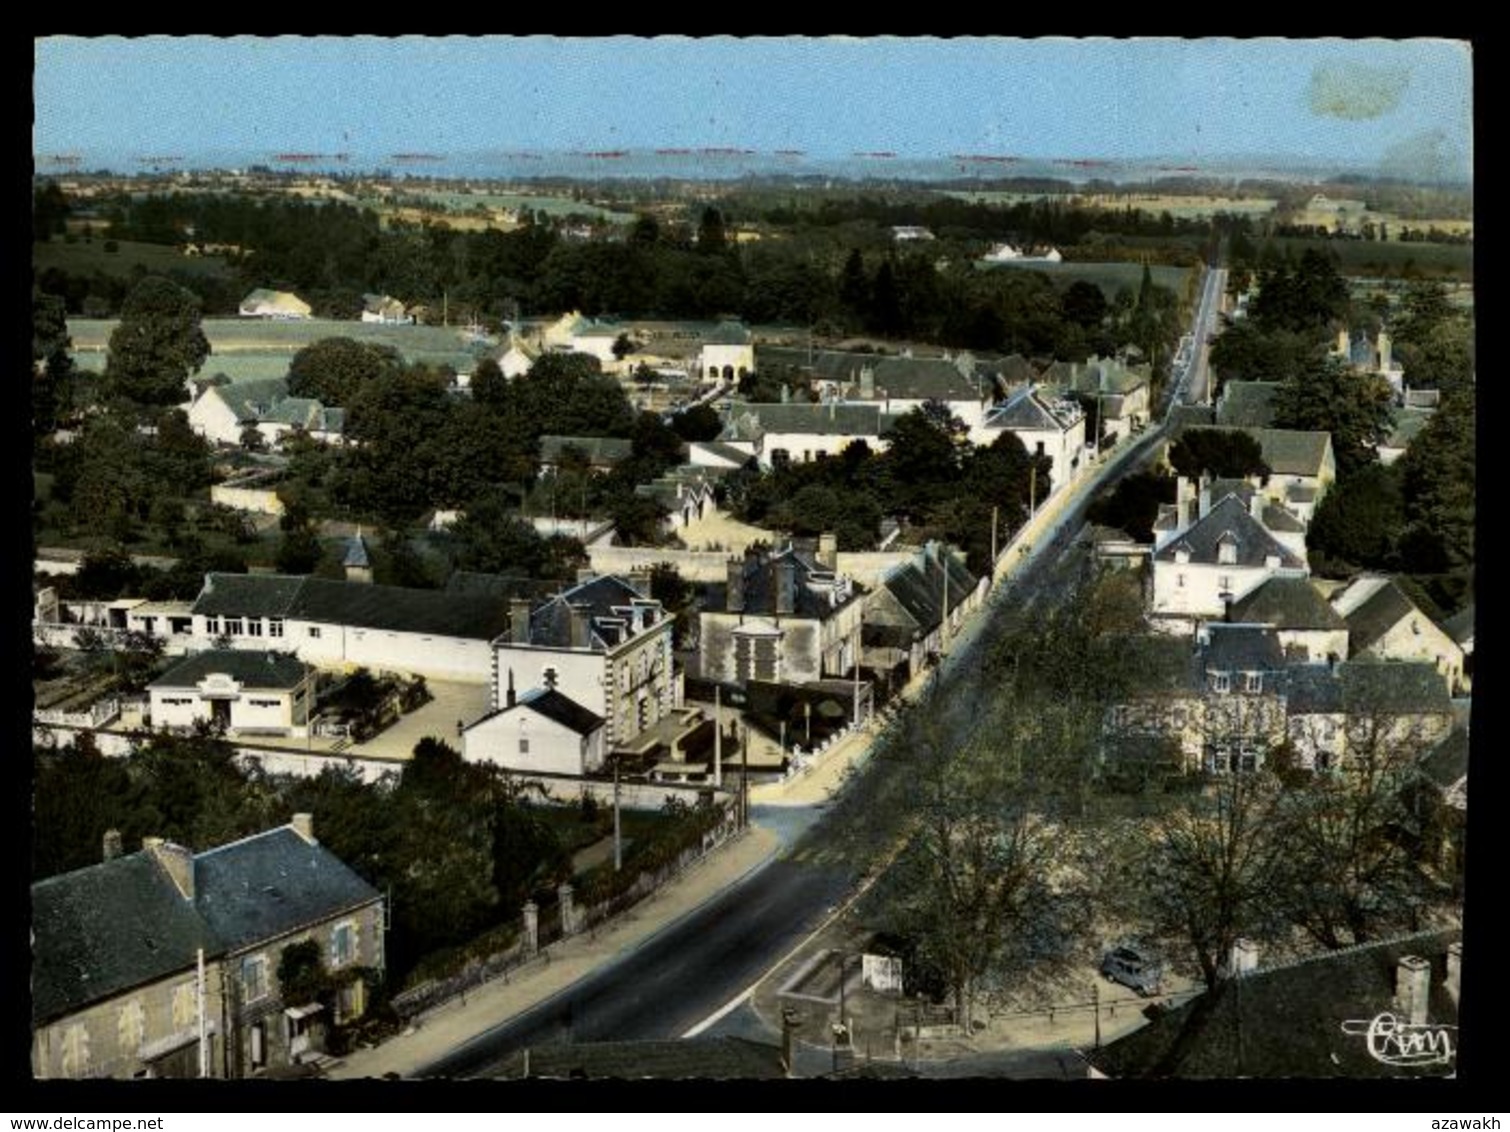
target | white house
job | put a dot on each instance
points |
(1208, 556)
(727, 354)
(244, 691)
(801, 431)
(385, 311)
(1046, 426)
(220, 413)
(263, 303)
(542, 730)
(516, 360)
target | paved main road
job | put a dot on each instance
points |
(686, 973)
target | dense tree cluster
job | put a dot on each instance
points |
(930, 476)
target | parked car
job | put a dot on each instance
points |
(1133, 968)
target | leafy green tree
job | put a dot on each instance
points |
(1358, 524)
(1354, 407)
(1221, 453)
(1438, 476)
(333, 370)
(1243, 352)
(49, 210)
(700, 422)
(711, 239)
(52, 363)
(1084, 304)
(158, 345)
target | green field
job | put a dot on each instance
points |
(249, 349)
(82, 258)
(1110, 277)
(1181, 207)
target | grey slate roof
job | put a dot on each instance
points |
(1385, 608)
(1030, 409)
(918, 585)
(1460, 625)
(252, 668)
(1286, 1021)
(607, 599)
(102, 930)
(912, 379)
(355, 604)
(1229, 517)
(1448, 761)
(1278, 518)
(1393, 687)
(1247, 404)
(736, 456)
(804, 418)
(1287, 603)
(562, 709)
(1242, 648)
(728, 334)
(1287, 451)
(107, 928)
(1313, 689)
(601, 451)
(272, 883)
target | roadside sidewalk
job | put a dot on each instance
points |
(437, 1032)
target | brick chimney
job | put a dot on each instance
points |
(639, 580)
(1413, 989)
(510, 700)
(174, 860)
(786, 586)
(828, 550)
(735, 595)
(304, 826)
(1256, 506)
(1204, 504)
(519, 620)
(580, 636)
(112, 844)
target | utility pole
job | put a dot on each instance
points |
(618, 841)
(718, 736)
(1096, 1005)
(204, 1042)
(744, 776)
(994, 511)
(1032, 490)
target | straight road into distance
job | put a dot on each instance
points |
(696, 966)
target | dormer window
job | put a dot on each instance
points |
(1221, 682)
(1253, 682)
(1226, 550)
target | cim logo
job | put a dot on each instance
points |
(1395, 1042)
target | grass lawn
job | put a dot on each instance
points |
(550, 205)
(82, 258)
(1376, 258)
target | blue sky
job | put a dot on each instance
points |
(1359, 101)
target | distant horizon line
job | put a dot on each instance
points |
(984, 164)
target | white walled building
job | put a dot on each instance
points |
(728, 353)
(1046, 427)
(343, 625)
(245, 692)
(542, 731)
(602, 644)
